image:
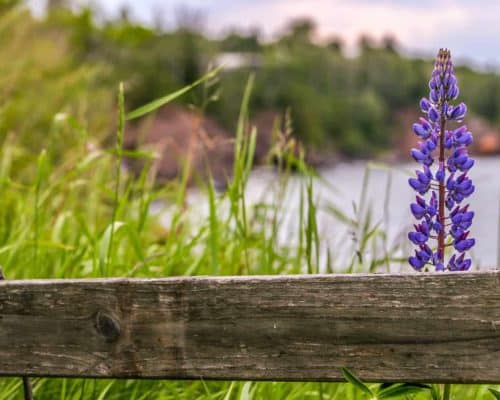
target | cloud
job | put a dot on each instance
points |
(469, 28)
(349, 19)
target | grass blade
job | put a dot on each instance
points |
(352, 379)
(155, 104)
(401, 390)
(105, 244)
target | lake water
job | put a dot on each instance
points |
(387, 196)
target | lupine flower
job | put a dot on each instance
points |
(447, 184)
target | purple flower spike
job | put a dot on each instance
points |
(447, 185)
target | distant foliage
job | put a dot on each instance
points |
(44, 91)
(350, 105)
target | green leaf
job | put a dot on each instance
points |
(106, 240)
(435, 394)
(131, 234)
(147, 108)
(349, 377)
(42, 168)
(135, 241)
(399, 390)
(229, 391)
(105, 391)
(340, 215)
(245, 391)
(495, 393)
(213, 237)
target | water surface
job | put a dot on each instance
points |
(386, 198)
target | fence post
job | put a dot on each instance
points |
(28, 392)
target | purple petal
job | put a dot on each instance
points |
(464, 245)
(433, 114)
(419, 130)
(416, 263)
(467, 165)
(417, 210)
(433, 95)
(424, 104)
(458, 112)
(417, 155)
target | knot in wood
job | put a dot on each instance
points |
(107, 326)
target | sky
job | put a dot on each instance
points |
(470, 28)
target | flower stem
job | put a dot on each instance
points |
(441, 234)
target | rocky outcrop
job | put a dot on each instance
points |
(181, 138)
(486, 135)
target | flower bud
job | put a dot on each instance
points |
(433, 114)
(458, 112)
(424, 104)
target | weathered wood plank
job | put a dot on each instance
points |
(414, 328)
(27, 389)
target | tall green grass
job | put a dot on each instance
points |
(81, 214)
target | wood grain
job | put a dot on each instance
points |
(27, 388)
(412, 328)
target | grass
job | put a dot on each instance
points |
(83, 215)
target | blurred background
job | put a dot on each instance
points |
(339, 80)
(350, 72)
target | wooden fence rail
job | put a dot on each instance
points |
(411, 328)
